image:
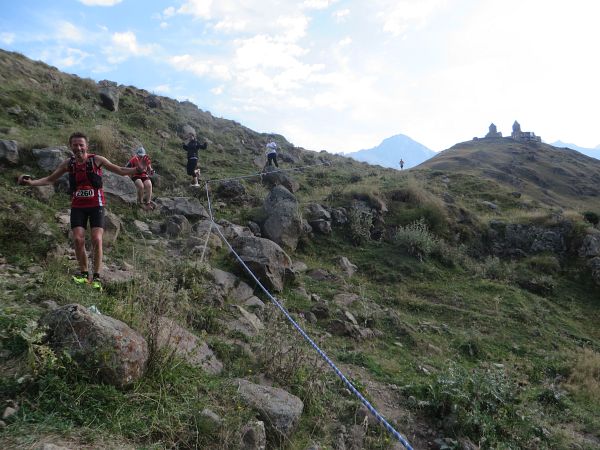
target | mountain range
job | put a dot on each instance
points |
(392, 149)
(592, 152)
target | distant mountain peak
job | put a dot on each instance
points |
(389, 152)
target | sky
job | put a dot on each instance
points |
(338, 75)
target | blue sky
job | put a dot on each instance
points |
(339, 75)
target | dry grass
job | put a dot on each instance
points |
(585, 375)
(104, 141)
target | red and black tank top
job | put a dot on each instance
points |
(87, 189)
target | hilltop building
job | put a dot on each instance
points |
(493, 133)
(517, 134)
(528, 136)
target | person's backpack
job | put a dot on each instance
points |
(94, 179)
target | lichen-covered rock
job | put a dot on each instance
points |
(187, 346)
(101, 344)
(284, 223)
(189, 207)
(279, 408)
(266, 259)
(9, 151)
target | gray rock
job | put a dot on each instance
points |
(105, 346)
(231, 189)
(273, 177)
(49, 158)
(590, 247)
(314, 211)
(109, 94)
(189, 207)
(266, 259)
(254, 228)
(43, 193)
(187, 346)
(112, 228)
(177, 225)
(232, 231)
(339, 216)
(254, 436)
(9, 152)
(347, 267)
(9, 411)
(284, 223)
(120, 187)
(280, 409)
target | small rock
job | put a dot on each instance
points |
(9, 412)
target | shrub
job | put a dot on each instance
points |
(479, 403)
(417, 239)
(591, 217)
(360, 222)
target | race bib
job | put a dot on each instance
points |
(84, 193)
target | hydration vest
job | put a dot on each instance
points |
(94, 179)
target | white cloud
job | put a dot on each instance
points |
(200, 68)
(340, 15)
(162, 88)
(197, 8)
(399, 16)
(100, 2)
(218, 90)
(7, 38)
(168, 12)
(125, 45)
(318, 4)
(164, 25)
(66, 31)
(229, 25)
(74, 57)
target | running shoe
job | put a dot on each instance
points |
(80, 278)
(97, 284)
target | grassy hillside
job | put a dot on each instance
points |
(555, 176)
(468, 349)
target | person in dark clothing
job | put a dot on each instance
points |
(192, 147)
(401, 164)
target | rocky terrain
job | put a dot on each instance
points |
(461, 297)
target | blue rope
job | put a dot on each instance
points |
(337, 371)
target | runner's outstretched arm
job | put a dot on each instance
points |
(50, 179)
(103, 162)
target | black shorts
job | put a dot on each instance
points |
(80, 216)
(144, 178)
(191, 166)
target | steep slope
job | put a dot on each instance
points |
(555, 176)
(467, 326)
(389, 152)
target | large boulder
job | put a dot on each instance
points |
(9, 152)
(284, 223)
(278, 408)
(49, 158)
(99, 343)
(109, 94)
(274, 177)
(189, 207)
(231, 189)
(266, 259)
(187, 346)
(117, 186)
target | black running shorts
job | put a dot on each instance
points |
(191, 166)
(80, 216)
